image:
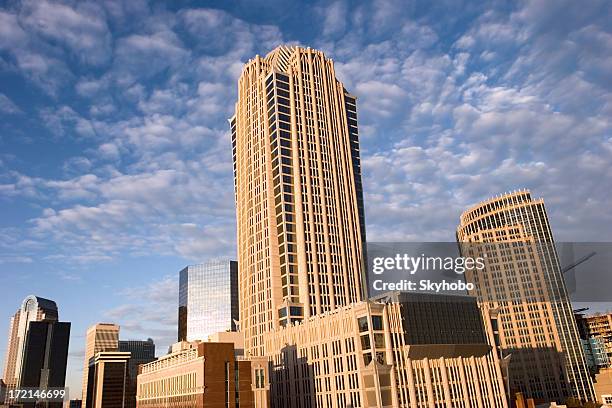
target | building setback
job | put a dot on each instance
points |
(208, 299)
(108, 382)
(400, 350)
(301, 236)
(522, 281)
(99, 338)
(299, 200)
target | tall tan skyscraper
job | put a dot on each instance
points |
(33, 309)
(101, 337)
(523, 281)
(298, 192)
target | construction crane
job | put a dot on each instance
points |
(578, 262)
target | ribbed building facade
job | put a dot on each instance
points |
(101, 337)
(402, 350)
(299, 199)
(523, 282)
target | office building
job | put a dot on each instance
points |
(199, 375)
(45, 355)
(108, 381)
(593, 346)
(208, 299)
(2, 392)
(600, 326)
(299, 200)
(37, 351)
(141, 352)
(100, 337)
(398, 350)
(33, 309)
(522, 280)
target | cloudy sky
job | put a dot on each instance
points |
(115, 161)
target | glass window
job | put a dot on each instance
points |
(379, 340)
(363, 323)
(377, 323)
(494, 325)
(367, 358)
(365, 342)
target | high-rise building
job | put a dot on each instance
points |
(101, 337)
(45, 355)
(299, 200)
(2, 391)
(208, 299)
(600, 326)
(108, 381)
(141, 351)
(523, 282)
(33, 309)
(37, 350)
(593, 346)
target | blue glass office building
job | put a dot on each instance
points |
(208, 299)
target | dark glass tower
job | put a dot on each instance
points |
(45, 355)
(142, 352)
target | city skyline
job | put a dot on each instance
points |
(54, 202)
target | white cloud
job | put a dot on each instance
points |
(446, 119)
(154, 306)
(8, 106)
(81, 28)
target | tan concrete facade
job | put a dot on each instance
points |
(603, 386)
(199, 375)
(522, 281)
(298, 192)
(100, 337)
(10, 361)
(359, 356)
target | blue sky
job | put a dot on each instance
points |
(115, 166)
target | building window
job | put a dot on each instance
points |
(365, 342)
(363, 323)
(377, 323)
